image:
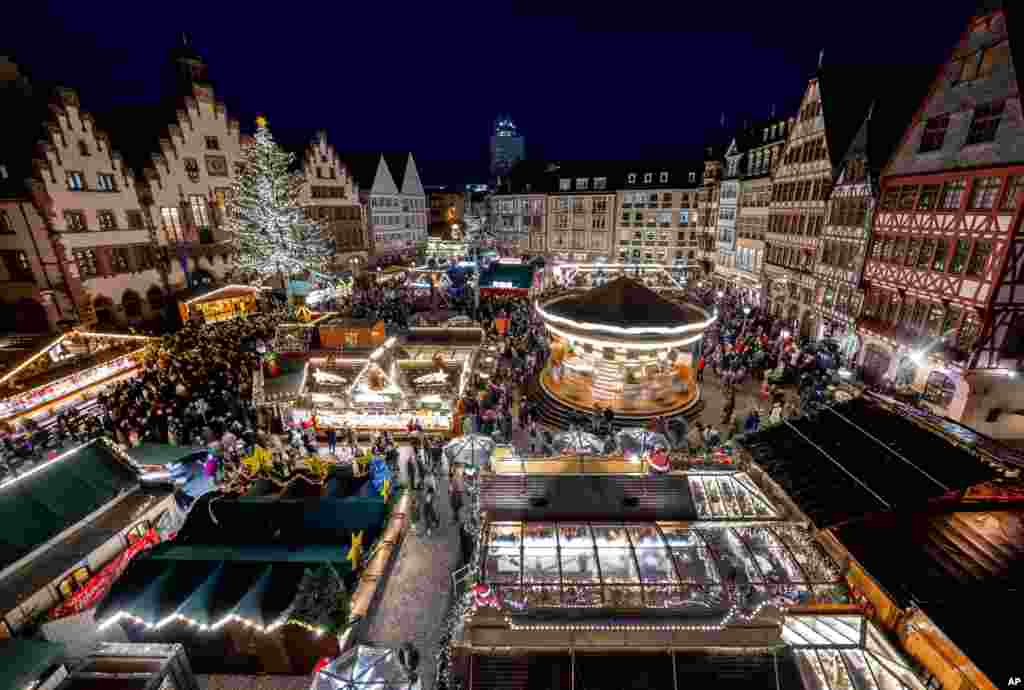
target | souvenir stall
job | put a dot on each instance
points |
(228, 302)
(67, 370)
(340, 333)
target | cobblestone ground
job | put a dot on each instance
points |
(416, 593)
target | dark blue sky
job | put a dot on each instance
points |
(622, 83)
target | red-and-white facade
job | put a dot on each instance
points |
(944, 303)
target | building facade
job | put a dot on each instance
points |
(657, 213)
(707, 246)
(518, 220)
(801, 184)
(765, 142)
(185, 185)
(331, 196)
(508, 146)
(944, 310)
(729, 203)
(93, 253)
(396, 206)
(580, 209)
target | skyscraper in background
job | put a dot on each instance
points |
(508, 146)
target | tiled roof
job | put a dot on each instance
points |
(625, 303)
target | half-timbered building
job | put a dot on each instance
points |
(944, 311)
(850, 210)
(708, 238)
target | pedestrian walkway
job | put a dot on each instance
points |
(416, 593)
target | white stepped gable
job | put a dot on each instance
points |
(383, 182)
(436, 377)
(324, 377)
(411, 182)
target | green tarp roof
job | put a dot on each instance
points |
(23, 660)
(519, 275)
(37, 507)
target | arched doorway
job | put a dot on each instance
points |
(155, 297)
(807, 322)
(30, 316)
(132, 304)
(876, 363)
(104, 307)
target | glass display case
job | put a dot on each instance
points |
(646, 565)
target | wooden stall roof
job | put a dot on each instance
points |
(208, 294)
(955, 565)
(576, 497)
(859, 458)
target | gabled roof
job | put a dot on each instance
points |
(625, 303)
(857, 459)
(846, 94)
(411, 183)
(25, 105)
(952, 564)
(34, 508)
(384, 171)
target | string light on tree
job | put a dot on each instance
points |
(270, 230)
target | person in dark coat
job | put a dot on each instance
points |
(332, 440)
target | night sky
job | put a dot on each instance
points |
(593, 84)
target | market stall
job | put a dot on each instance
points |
(220, 304)
(338, 333)
(507, 278)
(67, 369)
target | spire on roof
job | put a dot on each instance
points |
(821, 58)
(184, 39)
(772, 115)
(871, 109)
(722, 120)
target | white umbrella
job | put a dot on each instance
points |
(471, 449)
(640, 440)
(579, 442)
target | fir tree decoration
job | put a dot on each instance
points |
(271, 232)
(321, 602)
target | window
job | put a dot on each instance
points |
(959, 261)
(106, 220)
(891, 198)
(105, 182)
(693, 177)
(939, 261)
(192, 169)
(984, 193)
(648, 177)
(564, 184)
(17, 265)
(86, 260)
(171, 223)
(74, 221)
(908, 197)
(985, 123)
(600, 182)
(934, 134)
(899, 249)
(913, 248)
(119, 260)
(979, 258)
(581, 183)
(199, 215)
(5, 224)
(663, 177)
(1014, 185)
(631, 178)
(952, 195)
(75, 181)
(924, 258)
(600, 206)
(598, 223)
(212, 144)
(929, 194)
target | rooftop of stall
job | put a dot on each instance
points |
(189, 300)
(501, 276)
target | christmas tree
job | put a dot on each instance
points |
(271, 232)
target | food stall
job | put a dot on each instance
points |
(65, 370)
(220, 304)
(384, 392)
(346, 333)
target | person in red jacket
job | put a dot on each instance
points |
(700, 369)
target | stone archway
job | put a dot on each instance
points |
(132, 304)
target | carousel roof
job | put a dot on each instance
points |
(625, 303)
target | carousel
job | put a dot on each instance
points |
(624, 347)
